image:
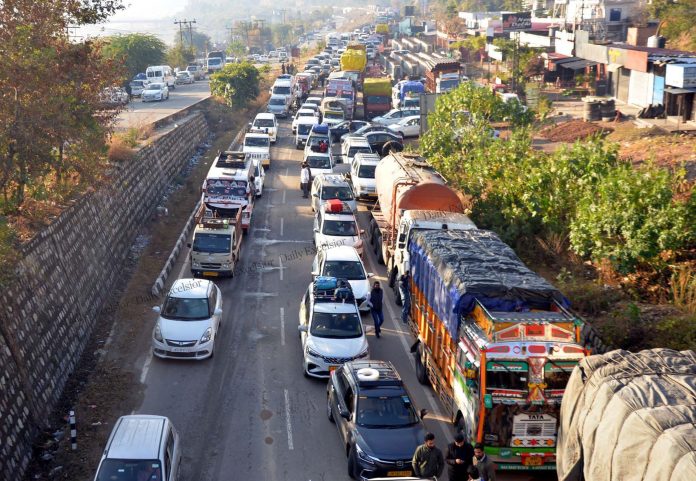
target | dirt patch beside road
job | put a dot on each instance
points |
(572, 131)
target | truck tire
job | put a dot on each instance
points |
(392, 280)
(397, 297)
(371, 230)
(380, 255)
(421, 372)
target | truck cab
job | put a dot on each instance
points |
(230, 186)
(216, 244)
(258, 146)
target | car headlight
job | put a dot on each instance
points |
(312, 352)
(157, 333)
(365, 353)
(364, 456)
(195, 265)
(207, 335)
(225, 265)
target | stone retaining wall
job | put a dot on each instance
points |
(66, 277)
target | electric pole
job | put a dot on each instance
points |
(180, 23)
(191, 33)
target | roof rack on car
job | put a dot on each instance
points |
(332, 289)
(376, 374)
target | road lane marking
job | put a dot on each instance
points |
(284, 192)
(282, 222)
(287, 171)
(280, 261)
(282, 326)
(146, 367)
(288, 423)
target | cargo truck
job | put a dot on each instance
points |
(411, 196)
(376, 96)
(216, 243)
(495, 341)
(630, 415)
(442, 75)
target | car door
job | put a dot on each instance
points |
(412, 128)
(305, 315)
(172, 457)
(348, 403)
(215, 301)
(317, 264)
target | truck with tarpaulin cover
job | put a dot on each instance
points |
(376, 96)
(496, 341)
(442, 75)
(406, 93)
(342, 90)
(629, 415)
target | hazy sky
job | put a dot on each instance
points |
(149, 9)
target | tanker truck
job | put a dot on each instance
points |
(411, 196)
(496, 342)
(630, 416)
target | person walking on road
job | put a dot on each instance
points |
(305, 179)
(427, 461)
(483, 463)
(376, 297)
(460, 455)
(473, 474)
(405, 293)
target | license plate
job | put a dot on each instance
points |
(210, 273)
(179, 349)
(392, 474)
(532, 461)
(332, 368)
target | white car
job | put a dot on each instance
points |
(258, 146)
(332, 229)
(344, 262)
(155, 91)
(394, 115)
(266, 123)
(184, 77)
(259, 177)
(189, 320)
(302, 113)
(331, 332)
(304, 127)
(362, 175)
(313, 100)
(408, 126)
(319, 162)
(332, 186)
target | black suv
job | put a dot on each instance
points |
(377, 421)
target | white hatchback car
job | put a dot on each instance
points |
(362, 175)
(155, 91)
(332, 229)
(267, 123)
(189, 320)
(300, 114)
(343, 262)
(331, 331)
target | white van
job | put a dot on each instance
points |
(141, 447)
(161, 74)
(304, 127)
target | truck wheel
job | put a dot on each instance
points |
(380, 256)
(392, 280)
(421, 373)
(397, 298)
(371, 230)
(375, 244)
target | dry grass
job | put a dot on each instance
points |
(683, 288)
(120, 150)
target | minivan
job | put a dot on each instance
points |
(161, 74)
(141, 446)
(352, 146)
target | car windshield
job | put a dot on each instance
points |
(510, 375)
(333, 115)
(214, 61)
(351, 270)
(182, 74)
(276, 101)
(367, 171)
(340, 193)
(336, 325)
(340, 228)
(319, 162)
(385, 412)
(305, 114)
(256, 142)
(234, 188)
(213, 243)
(264, 123)
(281, 90)
(185, 309)
(354, 150)
(130, 470)
(154, 87)
(136, 83)
(347, 95)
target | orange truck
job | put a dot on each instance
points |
(494, 340)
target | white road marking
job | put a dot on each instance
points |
(280, 261)
(287, 171)
(284, 192)
(186, 261)
(288, 423)
(282, 222)
(282, 326)
(146, 368)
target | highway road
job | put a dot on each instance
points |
(249, 413)
(138, 113)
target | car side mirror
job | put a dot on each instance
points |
(370, 274)
(157, 309)
(302, 328)
(315, 273)
(218, 312)
(423, 412)
(316, 229)
(315, 195)
(343, 412)
(362, 231)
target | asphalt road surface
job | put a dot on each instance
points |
(249, 413)
(139, 113)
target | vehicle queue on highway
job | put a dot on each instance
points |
(498, 356)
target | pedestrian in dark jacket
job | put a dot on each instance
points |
(473, 474)
(405, 293)
(376, 296)
(427, 461)
(460, 455)
(483, 463)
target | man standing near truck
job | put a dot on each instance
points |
(376, 297)
(405, 293)
(483, 463)
(427, 461)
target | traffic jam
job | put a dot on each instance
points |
(496, 355)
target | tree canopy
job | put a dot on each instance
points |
(236, 83)
(136, 50)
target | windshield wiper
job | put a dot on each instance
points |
(559, 367)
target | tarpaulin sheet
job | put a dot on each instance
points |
(454, 269)
(353, 60)
(630, 416)
(413, 86)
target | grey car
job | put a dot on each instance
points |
(278, 105)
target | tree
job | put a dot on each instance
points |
(137, 51)
(236, 48)
(236, 83)
(179, 56)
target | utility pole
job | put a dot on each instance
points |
(180, 23)
(191, 33)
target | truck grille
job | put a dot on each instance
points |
(210, 266)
